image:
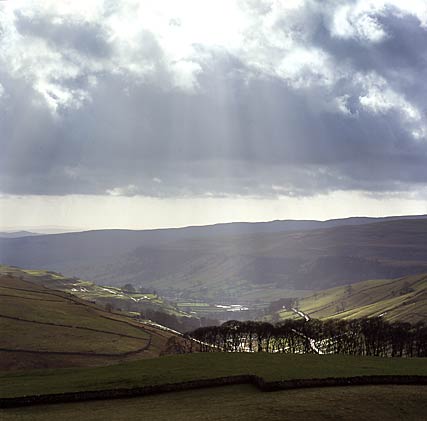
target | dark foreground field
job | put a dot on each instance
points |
(245, 403)
(191, 367)
(237, 402)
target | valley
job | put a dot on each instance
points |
(227, 266)
(278, 310)
(213, 210)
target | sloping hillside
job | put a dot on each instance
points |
(143, 304)
(135, 301)
(192, 263)
(42, 328)
(403, 299)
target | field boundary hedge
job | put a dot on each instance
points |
(257, 381)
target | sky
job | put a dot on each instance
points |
(145, 114)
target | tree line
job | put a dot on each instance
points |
(367, 336)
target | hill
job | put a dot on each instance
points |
(229, 262)
(17, 234)
(141, 304)
(42, 327)
(403, 299)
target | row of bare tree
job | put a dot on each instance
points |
(368, 336)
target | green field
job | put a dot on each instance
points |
(44, 328)
(245, 403)
(179, 368)
(89, 291)
(403, 299)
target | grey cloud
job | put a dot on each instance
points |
(404, 48)
(240, 132)
(181, 139)
(86, 38)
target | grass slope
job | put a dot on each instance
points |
(42, 327)
(174, 369)
(403, 299)
(245, 403)
(95, 293)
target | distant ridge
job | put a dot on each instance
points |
(17, 234)
(278, 225)
(236, 260)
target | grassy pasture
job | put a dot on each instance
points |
(179, 368)
(38, 324)
(89, 291)
(403, 299)
(46, 339)
(195, 304)
(245, 403)
(65, 313)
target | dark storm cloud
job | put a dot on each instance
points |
(401, 57)
(86, 38)
(243, 129)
